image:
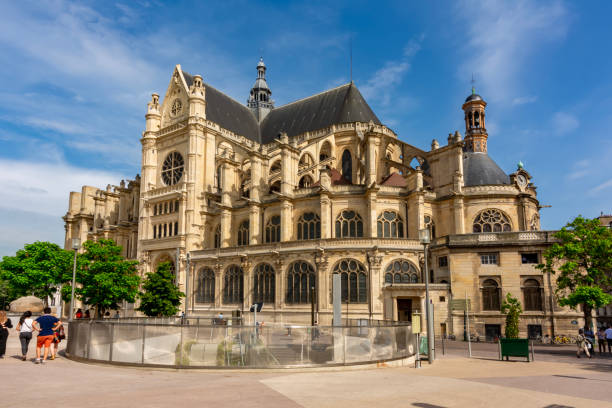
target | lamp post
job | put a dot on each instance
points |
(424, 237)
(76, 244)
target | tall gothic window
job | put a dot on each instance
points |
(273, 229)
(401, 271)
(219, 178)
(217, 238)
(233, 285)
(245, 185)
(309, 226)
(347, 166)
(264, 283)
(491, 220)
(490, 295)
(390, 225)
(349, 225)
(206, 286)
(300, 280)
(354, 287)
(325, 152)
(243, 233)
(532, 294)
(430, 225)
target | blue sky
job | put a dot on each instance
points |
(76, 78)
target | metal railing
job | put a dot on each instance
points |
(172, 342)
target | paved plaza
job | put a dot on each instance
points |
(555, 379)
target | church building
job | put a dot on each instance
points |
(262, 203)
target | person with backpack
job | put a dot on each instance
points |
(25, 327)
(583, 344)
(45, 324)
(5, 324)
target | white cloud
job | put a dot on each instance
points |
(378, 88)
(563, 123)
(44, 187)
(603, 186)
(502, 36)
(522, 100)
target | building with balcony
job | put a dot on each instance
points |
(262, 203)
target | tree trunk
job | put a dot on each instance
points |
(587, 316)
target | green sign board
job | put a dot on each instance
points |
(459, 304)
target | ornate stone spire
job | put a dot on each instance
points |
(260, 100)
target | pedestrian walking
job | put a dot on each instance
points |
(5, 324)
(609, 338)
(25, 327)
(58, 335)
(45, 325)
(582, 341)
(601, 339)
(79, 314)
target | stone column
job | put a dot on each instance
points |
(254, 221)
(218, 285)
(226, 228)
(373, 142)
(256, 178)
(286, 220)
(370, 220)
(247, 269)
(323, 281)
(281, 279)
(458, 215)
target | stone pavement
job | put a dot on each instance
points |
(453, 381)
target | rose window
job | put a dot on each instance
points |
(177, 106)
(172, 169)
(491, 221)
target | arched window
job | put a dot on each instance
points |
(401, 271)
(264, 284)
(430, 225)
(275, 187)
(206, 286)
(217, 238)
(532, 295)
(349, 225)
(354, 287)
(476, 119)
(325, 152)
(305, 161)
(172, 168)
(300, 280)
(273, 229)
(491, 220)
(243, 233)
(305, 181)
(233, 285)
(347, 166)
(390, 225)
(490, 295)
(309, 226)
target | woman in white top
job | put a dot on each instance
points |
(25, 332)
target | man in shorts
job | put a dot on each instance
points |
(45, 324)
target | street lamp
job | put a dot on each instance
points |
(76, 244)
(424, 237)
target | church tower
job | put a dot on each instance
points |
(475, 131)
(260, 101)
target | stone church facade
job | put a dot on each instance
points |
(257, 203)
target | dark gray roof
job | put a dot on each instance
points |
(344, 104)
(473, 97)
(228, 113)
(480, 170)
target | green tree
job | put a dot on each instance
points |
(38, 270)
(511, 307)
(161, 297)
(105, 277)
(582, 260)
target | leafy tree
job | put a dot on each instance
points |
(161, 297)
(511, 307)
(37, 270)
(105, 277)
(583, 258)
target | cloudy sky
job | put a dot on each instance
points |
(75, 79)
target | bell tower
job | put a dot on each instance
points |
(475, 131)
(260, 100)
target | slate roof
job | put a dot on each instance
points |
(480, 170)
(343, 104)
(394, 180)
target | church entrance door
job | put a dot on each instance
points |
(404, 310)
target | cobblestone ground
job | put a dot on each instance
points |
(555, 379)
